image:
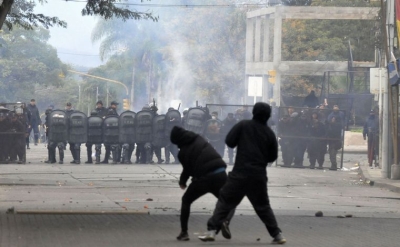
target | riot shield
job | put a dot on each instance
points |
(195, 120)
(58, 127)
(110, 130)
(159, 137)
(144, 126)
(172, 119)
(127, 127)
(77, 127)
(213, 130)
(95, 130)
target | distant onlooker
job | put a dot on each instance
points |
(35, 121)
(311, 100)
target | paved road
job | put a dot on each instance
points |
(296, 194)
(156, 230)
(154, 188)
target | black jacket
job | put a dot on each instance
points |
(101, 112)
(196, 155)
(256, 142)
(35, 116)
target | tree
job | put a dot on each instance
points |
(132, 45)
(191, 54)
(20, 12)
(326, 40)
(26, 61)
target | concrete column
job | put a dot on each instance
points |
(277, 52)
(257, 52)
(250, 40)
(266, 40)
(277, 57)
(265, 92)
(385, 134)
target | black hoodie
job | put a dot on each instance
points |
(255, 141)
(196, 155)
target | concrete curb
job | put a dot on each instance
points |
(355, 152)
(377, 182)
(78, 212)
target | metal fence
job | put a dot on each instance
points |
(311, 137)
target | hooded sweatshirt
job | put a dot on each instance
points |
(255, 141)
(196, 155)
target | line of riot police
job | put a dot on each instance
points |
(13, 130)
(146, 129)
(118, 133)
(313, 130)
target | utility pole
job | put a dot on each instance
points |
(385, 121)
(391, 99)
(394, 97)
(132, 87)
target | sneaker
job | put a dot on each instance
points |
(89, 162)
(226, 233)
(183, 236)
(208, 236)
(279, 239)
(72, 162)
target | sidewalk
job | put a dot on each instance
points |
(373, 176)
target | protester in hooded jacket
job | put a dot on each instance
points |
(201, 162)
(256, 147)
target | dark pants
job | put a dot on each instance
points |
(89, 152)
(209, 184)
(157, 152)
(171, 149)
(236, 188)
(287, 152)
(300, 147)
(35, 128)
(316, 153)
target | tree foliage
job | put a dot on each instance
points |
(190, 54)
(327, 40)
(21, 13)
(26, 60)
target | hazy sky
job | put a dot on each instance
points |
(73, 43)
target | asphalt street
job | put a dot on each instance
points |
(138, 205)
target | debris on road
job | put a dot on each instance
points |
(319, 214)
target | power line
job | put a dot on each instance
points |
(184, 5)
(78, 54)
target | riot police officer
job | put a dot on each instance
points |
(17, 138)
(100, 109)
(317, 146)
(228, 124)
(334, 134)
(112, 111)
(75, 160)
(172, 119)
